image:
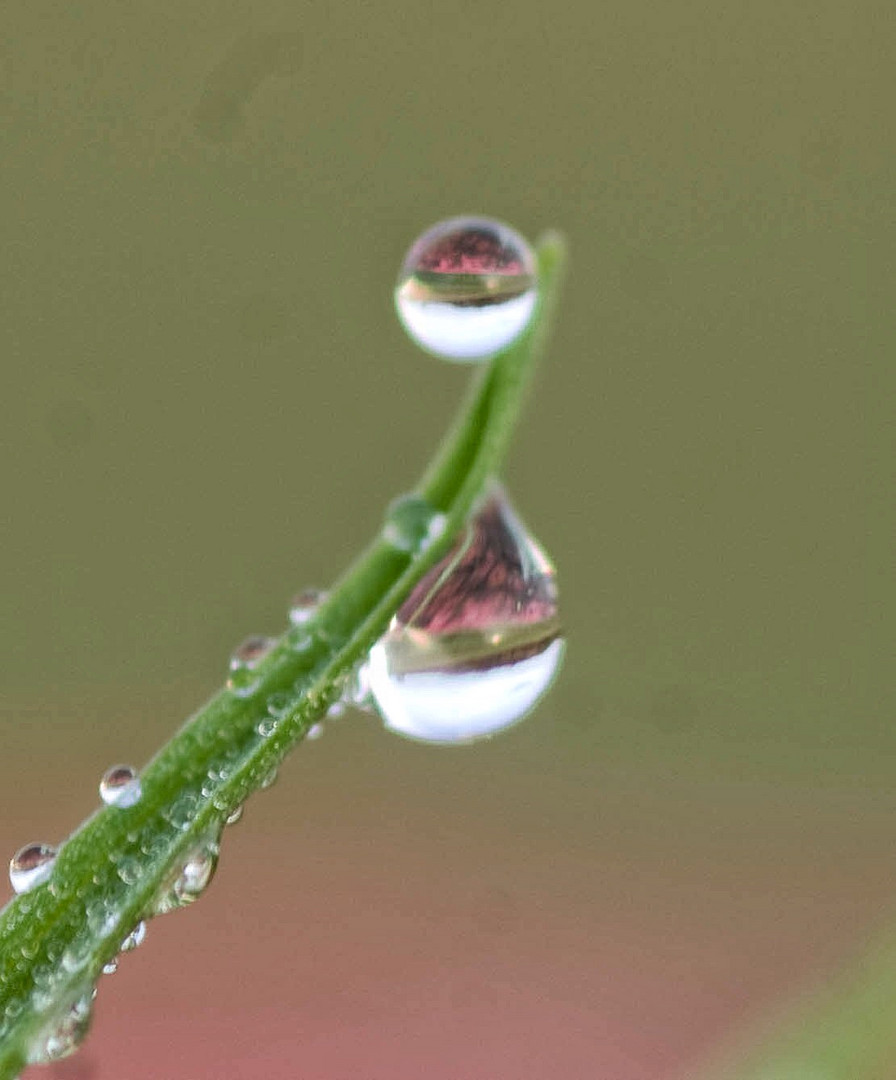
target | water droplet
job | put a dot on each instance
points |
(357, 689)
(477, 642)
(77, 953)
(135, 938)
(315, 731)
(467, 288)
(120, 786)
(304, 604)
(279, 703)
(182, 810)
(66, 1033)
(269, 780)
(244, 663)
(31, 866)
(266, 726)
(192, 879)
(337, 710)
(111, 967)
(412, 523)
(235, 815)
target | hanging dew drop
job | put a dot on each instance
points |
(120, 786)
(477, 642)
(111, 967)
(31, 866)
(304, 605)
(235, 815)
(245, 661)
(412, 524)
(467, 288)
(315, 731)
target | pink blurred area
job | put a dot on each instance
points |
(509, 910)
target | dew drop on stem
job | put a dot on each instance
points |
(31, 866)
(120, 786)
(478, 641)
(467, 288)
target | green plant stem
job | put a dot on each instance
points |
(846, 1031)
(55, 939)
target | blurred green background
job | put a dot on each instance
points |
(208, 401)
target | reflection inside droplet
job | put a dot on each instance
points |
(467, 288)
(478, 641)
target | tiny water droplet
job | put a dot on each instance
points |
(135, 938)
(182, 810)
(31, 866)
(477, 642)
(66, 1033)
(412, 523)
(244, 663)
(278, 703)
(315, 731)
(304, 604)
(336, 710)
(235, 815)
(269, 780)
(357, 689)
(467, 288)
(266, 726)
(77, 953)
(120, 786)
(111, 967)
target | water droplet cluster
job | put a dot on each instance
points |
(467, 288)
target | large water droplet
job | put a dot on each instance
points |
(467, 288)
(412, 523)
(244, 663)
(120, 786)
(477, 642)
(31, 866)
(66, 1033)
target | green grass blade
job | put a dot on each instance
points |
(55, 939)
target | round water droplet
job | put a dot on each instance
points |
(269, 780)
(477, 642)
(135, 938)
(66, 1033)
(412, 523)
(191, 879)
(111, 967)
(467, 288)
(315, 731)
(120, 786)
(31, 866)
(279, 703)
(245, 662)
(304, 604)
(235, 815)
(266, 726)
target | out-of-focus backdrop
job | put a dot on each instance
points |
(208, 401)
